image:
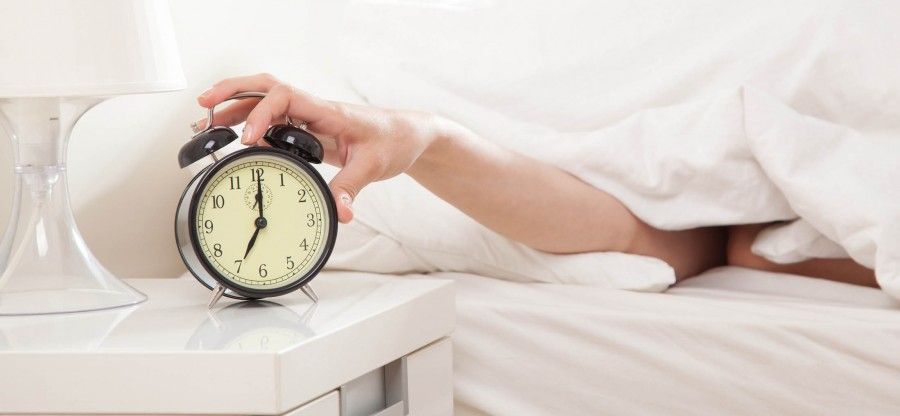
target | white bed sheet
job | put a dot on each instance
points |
(731, 341)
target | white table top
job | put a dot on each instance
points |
(171, 355)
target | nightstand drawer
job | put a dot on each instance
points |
(327, 405)
(420, 384)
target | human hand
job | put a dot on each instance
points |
(368, 143)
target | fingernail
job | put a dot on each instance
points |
(198, 125)
(245, 136)
(346, 200)
(204, 94)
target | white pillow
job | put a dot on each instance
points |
(400, 227)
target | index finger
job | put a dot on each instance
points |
(230, 86)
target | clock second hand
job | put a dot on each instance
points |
(260, 222)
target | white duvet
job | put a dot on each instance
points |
(693, 113)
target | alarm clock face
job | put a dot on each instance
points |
(263, 221)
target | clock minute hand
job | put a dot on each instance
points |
(259, 196)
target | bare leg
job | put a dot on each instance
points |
(842, 270)
(689, 252)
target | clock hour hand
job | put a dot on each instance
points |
(252, 241)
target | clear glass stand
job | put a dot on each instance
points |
(47, 267)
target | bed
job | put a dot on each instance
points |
(651, 97)
(730, 341)
(533, 340)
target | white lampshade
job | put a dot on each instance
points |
(66, 48)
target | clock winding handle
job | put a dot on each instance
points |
(240, 96)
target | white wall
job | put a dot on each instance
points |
(123, 173)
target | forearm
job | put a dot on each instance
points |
(524, 199)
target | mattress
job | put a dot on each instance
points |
(730, 341)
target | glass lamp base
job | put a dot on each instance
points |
(64, 300)
(47, 267)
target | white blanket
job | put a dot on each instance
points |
(692, 113)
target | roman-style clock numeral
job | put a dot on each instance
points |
(235, 182)
(218, 201)
(302, 194)
(256, 174)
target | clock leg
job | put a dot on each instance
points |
(217, 294)
(309, 313)
(309, 292)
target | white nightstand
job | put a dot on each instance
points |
(373, 345)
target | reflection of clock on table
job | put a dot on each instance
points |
(252, 326)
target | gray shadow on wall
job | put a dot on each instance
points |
(130, 225)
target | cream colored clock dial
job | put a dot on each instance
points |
(292, 238)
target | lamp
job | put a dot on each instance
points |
(60, 58)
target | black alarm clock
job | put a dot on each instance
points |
(254, 222)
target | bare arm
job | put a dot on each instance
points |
(524, 199)
(546, 208)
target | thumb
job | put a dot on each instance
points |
(346, 185)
